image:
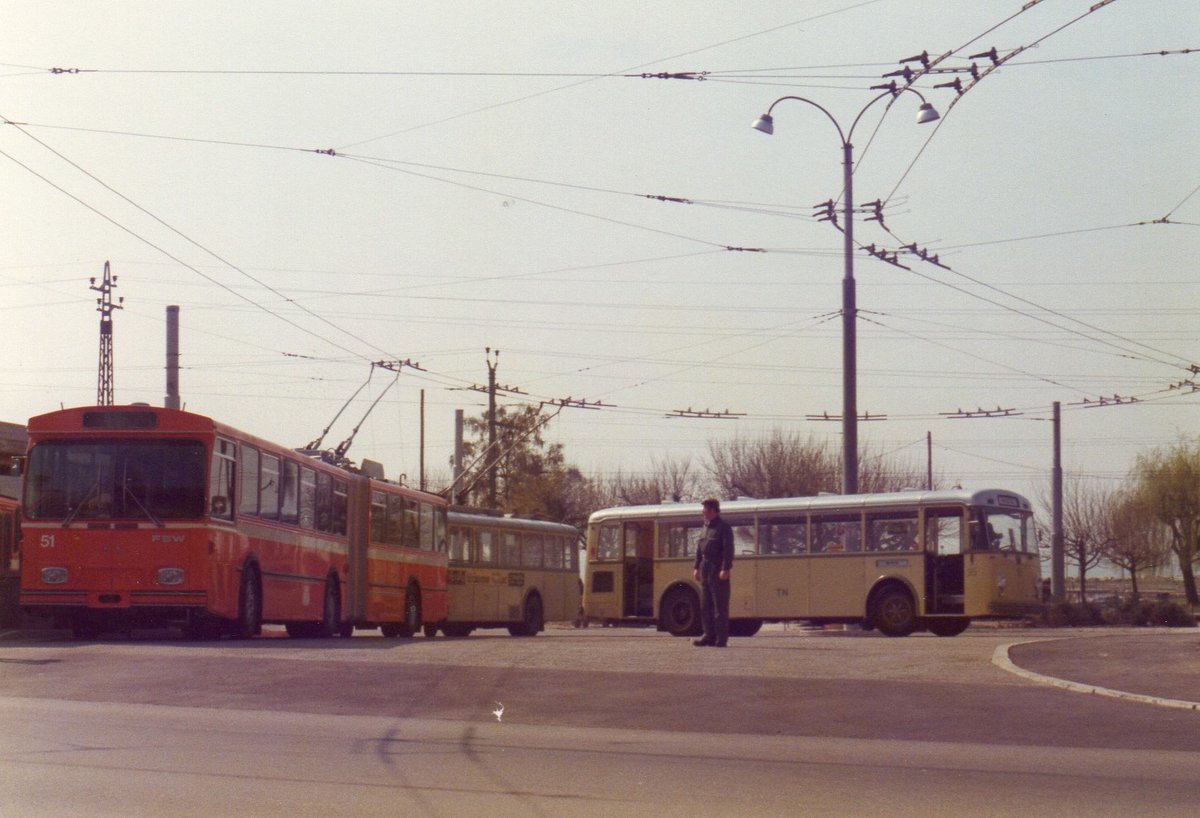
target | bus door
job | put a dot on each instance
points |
(638, 582)
(944, 561)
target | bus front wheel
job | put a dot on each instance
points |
(680, 613)
(895, 612)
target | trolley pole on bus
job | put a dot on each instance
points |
(766, 124)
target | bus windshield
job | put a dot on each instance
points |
(1005, 531)
(115, 480)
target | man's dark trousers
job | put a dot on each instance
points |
(714, 607)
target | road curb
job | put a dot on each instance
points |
(1001, 659)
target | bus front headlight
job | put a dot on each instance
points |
(170, 576)
(54, 575)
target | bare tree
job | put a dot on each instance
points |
(671, 480)
(784, 464)
(1137, 540)
(1085, 520)
(779, 464)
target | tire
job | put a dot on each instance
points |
(249, 619)
(412, 613)
(744, 627)
(895, 612)
(302, 630)
(532, 620)
(948, 627)
(431, 630)
(679, 613)
(390, 630)
(456, 630)
(331, 612)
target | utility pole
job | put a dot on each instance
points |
(172, 398)
(491, 460)
(929, 461)
(1058, 589)
(104, 381)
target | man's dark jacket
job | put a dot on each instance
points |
(715, 550)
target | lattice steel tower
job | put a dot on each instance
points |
(104, 383)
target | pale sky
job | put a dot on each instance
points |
(493, 183)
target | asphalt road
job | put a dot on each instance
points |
(595, 722)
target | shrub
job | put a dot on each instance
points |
(1162, 613)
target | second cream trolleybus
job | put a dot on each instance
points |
(899, 562)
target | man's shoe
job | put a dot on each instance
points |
(702, 643)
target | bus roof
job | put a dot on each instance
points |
(999, 498)
(494, 521)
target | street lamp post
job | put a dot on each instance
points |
(766, 124)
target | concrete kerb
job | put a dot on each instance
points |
(1000, 659)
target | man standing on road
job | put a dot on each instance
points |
(714, 559)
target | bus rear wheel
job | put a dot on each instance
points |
(532, 619)
(331, 613)
(249, 621)
(679, 614)
(951, 626)
(895, 612)
(412, 614)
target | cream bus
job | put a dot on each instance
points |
(507, 572)
(898, 562)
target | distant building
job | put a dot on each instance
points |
(13, 442)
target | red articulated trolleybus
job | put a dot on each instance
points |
(136, 515)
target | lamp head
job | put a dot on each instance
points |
(766, 124)
(927, 113)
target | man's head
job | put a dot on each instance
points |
(712, 507)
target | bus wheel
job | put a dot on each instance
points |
(895, 612)
(331, 613)
(948, 627)
(680, 613)
(249, 621)
(412, 613)
(744, 627)
(431, 630)
(457, 630)
(390, 630)
(532, 622)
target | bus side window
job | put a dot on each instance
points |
(783, 535)
(378, 515)
(608, 542)
(394, 526)
(324, 503)
(248, 485)
(837, 534)
(268, 491)
(892, 532)
(340, 506)
(486, 554)
(743, 536)
(308, 497)
(220, 481)
(289, 495)
(943, 531)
